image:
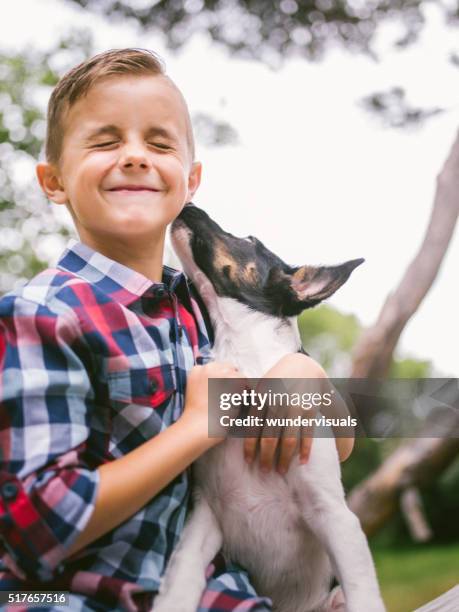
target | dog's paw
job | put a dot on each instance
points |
(177, 602)
(335, 601)
(170, 599)
(167, 603)
(369, 603)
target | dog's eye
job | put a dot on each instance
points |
(226, 271)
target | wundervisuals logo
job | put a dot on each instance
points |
(390, 408)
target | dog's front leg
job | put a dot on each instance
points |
(341, 533)
(184, 581)
(321, 496)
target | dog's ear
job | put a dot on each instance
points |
(312, 285)
(305, 287)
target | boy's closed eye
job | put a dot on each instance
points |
(159, 145)
(102, 145)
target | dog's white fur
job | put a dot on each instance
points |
(292, 532)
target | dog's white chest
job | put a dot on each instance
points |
(252, 341)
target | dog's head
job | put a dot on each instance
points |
(223, 265)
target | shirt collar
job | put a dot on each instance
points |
(115, 279)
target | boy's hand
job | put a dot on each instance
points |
(283, 446)
(196, 397)
(277, 445)
(279, 451)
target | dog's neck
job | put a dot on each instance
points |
(251, 340)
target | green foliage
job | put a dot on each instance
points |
(327, 320)
(31, 232)
(364, 460)
(414, 575)
(395, 111)
(271, 31)
(329, 335)
(441, 503)
(410, 368)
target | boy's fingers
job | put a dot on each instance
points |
(288, 443)
(250, 444)
(267, 451)
(288, 446)
(250, 449)
(305, 444)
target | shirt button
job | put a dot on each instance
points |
(153, 386)
(9, 490)
(160, 292)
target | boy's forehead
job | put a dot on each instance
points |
(129, 99)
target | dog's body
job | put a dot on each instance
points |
(294, 532)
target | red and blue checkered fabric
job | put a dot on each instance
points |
(94, 360)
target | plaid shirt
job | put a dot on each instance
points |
(94, 363)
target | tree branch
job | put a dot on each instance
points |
(412, 509)
(415, 463)
(373, 352)
(419, 461)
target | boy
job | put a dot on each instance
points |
(104, 407)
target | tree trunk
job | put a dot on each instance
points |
(373, 352)
(413, 512)
(415, 463)
(419, 461)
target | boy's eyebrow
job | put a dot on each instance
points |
(156, 130)
(104, 130)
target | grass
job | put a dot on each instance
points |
(411, 577)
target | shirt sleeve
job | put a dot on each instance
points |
(47, 490)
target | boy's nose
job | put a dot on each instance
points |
(135, 157)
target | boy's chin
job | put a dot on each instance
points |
(131, 236)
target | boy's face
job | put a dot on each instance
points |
(125, 169)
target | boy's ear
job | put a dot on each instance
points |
(194, 180)
(50, 182)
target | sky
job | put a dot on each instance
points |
(313, 176)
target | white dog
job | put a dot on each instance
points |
(293, 532)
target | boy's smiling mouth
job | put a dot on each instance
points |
(132, 189)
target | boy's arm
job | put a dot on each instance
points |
(47, 489)
(128, 483)
(51, 502)
(146, 470)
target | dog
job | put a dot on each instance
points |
(292, 532)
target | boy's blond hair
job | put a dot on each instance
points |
(77, 82)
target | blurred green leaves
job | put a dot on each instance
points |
(272, 31)
(32, 231)
(330, 335)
